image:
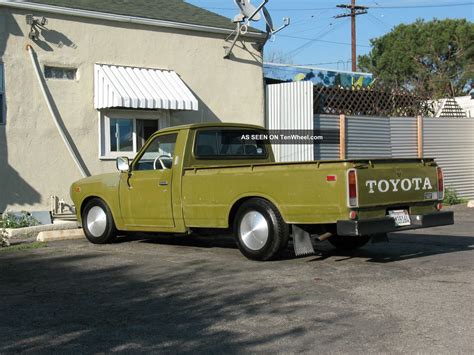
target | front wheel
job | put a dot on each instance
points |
(348, 243)
(260, 230)
(98, 223)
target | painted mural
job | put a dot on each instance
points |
(319, 76)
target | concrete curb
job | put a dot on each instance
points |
(57, 235)
(31, 232)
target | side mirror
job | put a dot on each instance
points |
(122, 164)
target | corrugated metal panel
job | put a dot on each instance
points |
(404, 137)
(368, 137)
(326, 151)
(129, 87)
(451, 142)
(290, 106)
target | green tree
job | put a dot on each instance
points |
(433, 59)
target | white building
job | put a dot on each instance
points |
(113, 74)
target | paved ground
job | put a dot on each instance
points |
(414, 294)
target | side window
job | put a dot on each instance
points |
(126, 135)
(231, 143)
(121, 135)
(159, 153)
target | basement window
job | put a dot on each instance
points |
(2, 96)
(60, 73)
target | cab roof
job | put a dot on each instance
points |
(210, 125)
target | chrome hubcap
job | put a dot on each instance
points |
(254, 230)
(96, 221)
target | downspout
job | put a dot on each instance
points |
(53, 114)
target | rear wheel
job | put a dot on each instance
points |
(348, 243)
(97, 222)
(260, 230)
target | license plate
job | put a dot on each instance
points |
(402, 218)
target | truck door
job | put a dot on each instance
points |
(145, 193)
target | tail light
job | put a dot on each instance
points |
(352, 200)
(440, 184)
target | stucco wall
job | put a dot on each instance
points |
(34, 162)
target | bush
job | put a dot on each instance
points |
(4, 240)
(451, 197)
(9, 220)
(25, 219)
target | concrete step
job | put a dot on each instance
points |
(57, 235)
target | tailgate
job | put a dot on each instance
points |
(396, 182)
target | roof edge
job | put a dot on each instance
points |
(122, 18)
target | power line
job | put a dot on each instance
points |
(380, 22)
(421, 6)
(327, 63)
(325, 41)
(370, 7)
(280, 9)
(311, 28)
(306, 23)
(284, 67)
(312, 18)
(311, 41)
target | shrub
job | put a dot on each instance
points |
(451, 197)
(9, 220)
(4, 240)
(25, 219)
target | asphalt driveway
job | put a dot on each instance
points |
(188, 295)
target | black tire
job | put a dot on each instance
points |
(277, 235)
(98, 236)
(348, 243)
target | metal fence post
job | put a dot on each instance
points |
(342, 136)
(419, 126)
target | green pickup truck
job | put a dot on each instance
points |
(219, 177)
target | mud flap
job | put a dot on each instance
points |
(302, 242)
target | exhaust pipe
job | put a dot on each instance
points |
(324, 236)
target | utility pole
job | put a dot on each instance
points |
(355, 10)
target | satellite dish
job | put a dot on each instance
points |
(268, 19)
(247, 11)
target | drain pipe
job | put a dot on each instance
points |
(53, 114)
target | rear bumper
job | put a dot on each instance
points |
(387, 224)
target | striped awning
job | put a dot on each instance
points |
(141, 88)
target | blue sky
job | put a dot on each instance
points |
(312, 19)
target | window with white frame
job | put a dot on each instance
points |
(125, 134)
(2, 95)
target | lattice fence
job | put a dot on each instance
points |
(368, 102)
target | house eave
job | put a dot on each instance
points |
(123, 18)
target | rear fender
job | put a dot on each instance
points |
(236, 203)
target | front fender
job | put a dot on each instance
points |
(106, 187)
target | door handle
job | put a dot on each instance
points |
(163, 183)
